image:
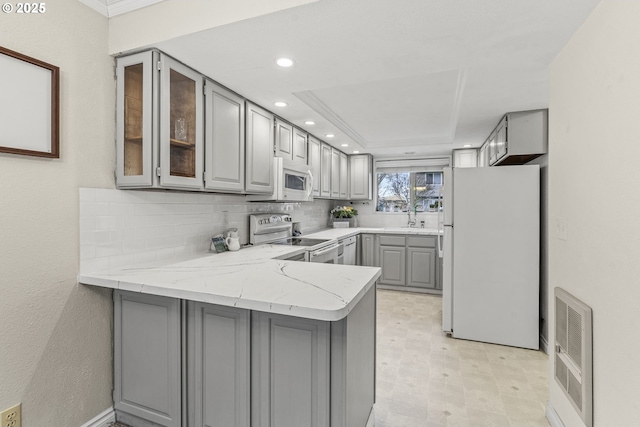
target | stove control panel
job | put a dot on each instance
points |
(263, 227)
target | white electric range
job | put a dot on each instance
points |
(277, 229)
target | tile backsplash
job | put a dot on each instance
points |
(119, 228)
(368, 217)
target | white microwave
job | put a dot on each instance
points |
(292, 183)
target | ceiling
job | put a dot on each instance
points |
(392, 77)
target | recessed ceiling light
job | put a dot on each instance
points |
(409, 152)
(329, 135)
(466, 145)
(280, 104)
(284, 62)
(355, 152)
(309, 122)
(344, 145)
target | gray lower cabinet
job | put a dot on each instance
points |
(367, 250)
(183, 363)
(218, 365)
(286, 350)
(392, 259)
(422, 256)
(421, 267)
(409, 262)
(312, 373)
(147, 359)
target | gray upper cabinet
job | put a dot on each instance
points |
(325, 170)
(283, 348)
(259, 150)
(314, 162)
(501, 139)
(492, 147)
(466, 158)
(519, 138)
(299, 146)
(335, 173)
(219, 394)
(147, 359)
(291, 143)
(284, 140)
(181, 126)
(156, 92)
(344, 176)
(360, 177)
(136, 143)
(224, 139)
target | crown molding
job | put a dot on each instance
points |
(111, 8)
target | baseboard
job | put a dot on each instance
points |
(102, 420)
(544, 345)
(409, 289)
(552, 416)
(372, 418)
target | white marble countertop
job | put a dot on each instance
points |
(258, 278)
(342, 233)
(254, 278)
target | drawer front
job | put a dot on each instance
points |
(392, 240)
(422, 242)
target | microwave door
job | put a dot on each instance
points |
(294, 182)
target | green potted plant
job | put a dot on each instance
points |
(343, 215)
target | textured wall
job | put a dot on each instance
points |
(55, 355)
(593, 187)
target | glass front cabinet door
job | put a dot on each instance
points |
(159, 123)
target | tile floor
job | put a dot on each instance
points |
(426, 379)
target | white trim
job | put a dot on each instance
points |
(111, 8)
(371, 422)
(118, 7)
(98, 5)
(103, 419)
(457, 103)
(323, 109)
(552, 416)
(544, 345)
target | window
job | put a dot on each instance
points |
(409, 185)
(400, 190)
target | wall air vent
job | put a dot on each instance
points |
(573, 352)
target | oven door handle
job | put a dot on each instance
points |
(324, 251)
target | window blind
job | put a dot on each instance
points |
(431, 164)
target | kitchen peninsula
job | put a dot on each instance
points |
(243, 338)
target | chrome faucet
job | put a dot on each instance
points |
(410, 223)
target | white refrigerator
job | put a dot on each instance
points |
(491, 250)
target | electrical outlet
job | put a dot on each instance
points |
(11, 417)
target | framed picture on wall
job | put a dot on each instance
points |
(29, 105)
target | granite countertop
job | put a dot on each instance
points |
(254, 278)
